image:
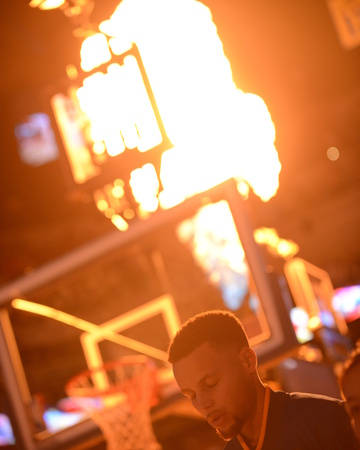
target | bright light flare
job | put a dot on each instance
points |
(145, 187)
(217, 130)
(314, 323)
(46, 4)
(94, 52)
(274, 244)
(119, 109)
(119, 222)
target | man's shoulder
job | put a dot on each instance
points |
(282, 397)
(305, 403)
(303, 412)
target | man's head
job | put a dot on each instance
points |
(218, 328)
(350, 388)
(217, 370)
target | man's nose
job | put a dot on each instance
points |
(203, 402)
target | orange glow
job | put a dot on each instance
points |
(129, 213)
(46, 4)
(215, 244)
(217, 130)
(94, 52)
(102, 204)
(145, 187)
(275, 245)
(119, 109)
(119, 222)
(333, 154)
(110, 201)
(71, 72)
(214, 220)
(314, 323)
(118, 191)
(99, 148)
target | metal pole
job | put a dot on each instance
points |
(14, 385)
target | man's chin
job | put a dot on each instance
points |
(226, 435)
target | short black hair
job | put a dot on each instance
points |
(217, 327)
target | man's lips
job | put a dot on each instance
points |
(215, 419)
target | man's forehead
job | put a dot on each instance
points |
(202, 353)
(204, 361)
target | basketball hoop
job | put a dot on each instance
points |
(125, 388)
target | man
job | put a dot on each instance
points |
(217, 370)
(350, 388)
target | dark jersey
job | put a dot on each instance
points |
(299, 421)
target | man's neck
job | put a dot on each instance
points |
(254, 429)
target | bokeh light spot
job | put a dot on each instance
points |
(333, 153)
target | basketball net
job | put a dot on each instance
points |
(124, 429)
(125, 388)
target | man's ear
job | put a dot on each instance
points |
(248, 358)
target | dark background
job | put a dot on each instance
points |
(285, 51)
